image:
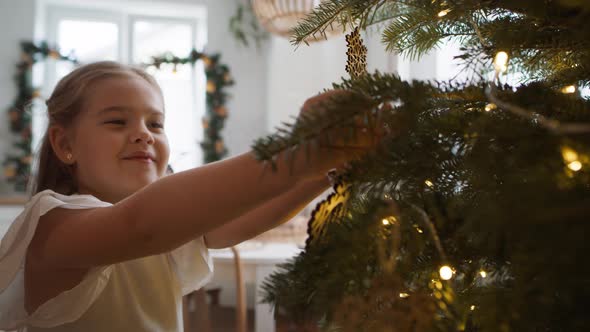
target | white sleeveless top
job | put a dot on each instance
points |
(143, 294)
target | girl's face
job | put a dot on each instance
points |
(119, 145)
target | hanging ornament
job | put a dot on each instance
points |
(219, 146)
(9, 171)
(221, 111)
(54, 54)
(211, 88)
(356, 65)
(280, 17)
(330, 210)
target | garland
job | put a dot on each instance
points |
(17, 167)
(218, 78)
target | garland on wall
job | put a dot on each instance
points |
(218, 79)
(17, 166)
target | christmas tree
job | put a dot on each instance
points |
(474, 215)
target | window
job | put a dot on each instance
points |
(130, 34)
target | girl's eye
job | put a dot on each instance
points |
(117, 122)
(158, 125)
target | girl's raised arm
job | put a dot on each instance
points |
(168, 212)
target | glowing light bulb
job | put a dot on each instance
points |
(443, 12)
(500, 61)
(575, 166)
(569, 89)
(483, 273)
(403, 295)
(446, 272)
(429, 183)
(389, 220)
(490, 107)
(472, 308)
(419, 230)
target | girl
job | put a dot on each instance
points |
(107, 242)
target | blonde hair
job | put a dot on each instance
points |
(63, 107)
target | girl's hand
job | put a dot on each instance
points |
(338, 151)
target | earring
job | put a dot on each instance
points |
(69, 156)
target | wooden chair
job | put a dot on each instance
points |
(202, 314)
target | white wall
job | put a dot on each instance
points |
(296, 74)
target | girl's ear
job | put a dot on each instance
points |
(60, 142)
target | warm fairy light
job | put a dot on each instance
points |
(443, 12)
(446, 272)
(569, 155)
(429, 183)
(403, 295)
(490, 107)
(569, 89)
(500, 61)
(419, 230)
(575, 166)
(472, 308)
(389, 220)
(483, 273)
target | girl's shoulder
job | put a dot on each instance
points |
(49, 199)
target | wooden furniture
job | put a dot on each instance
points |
(203, 313)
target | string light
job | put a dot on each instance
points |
(571, 158)
(403, 295)
(446, 272)
(501, 61)
(389, 220)
(575, 166)
(483, 273)
(569, 89)
(419, 230)
(472, 308)
(443, 12)
(490, 107)
(429, 183)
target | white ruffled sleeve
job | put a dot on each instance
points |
(192, 265)
(65, 307)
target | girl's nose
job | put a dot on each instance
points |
(142, 135)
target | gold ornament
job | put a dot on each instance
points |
(357, 54)
(26, 58)
(206, 61)
(328, 211)
(9, 171)
(227, 78)
(26, 159)
(54, 54)
(13, 114)
(221, 111)
(211, 88)
(219, 146)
